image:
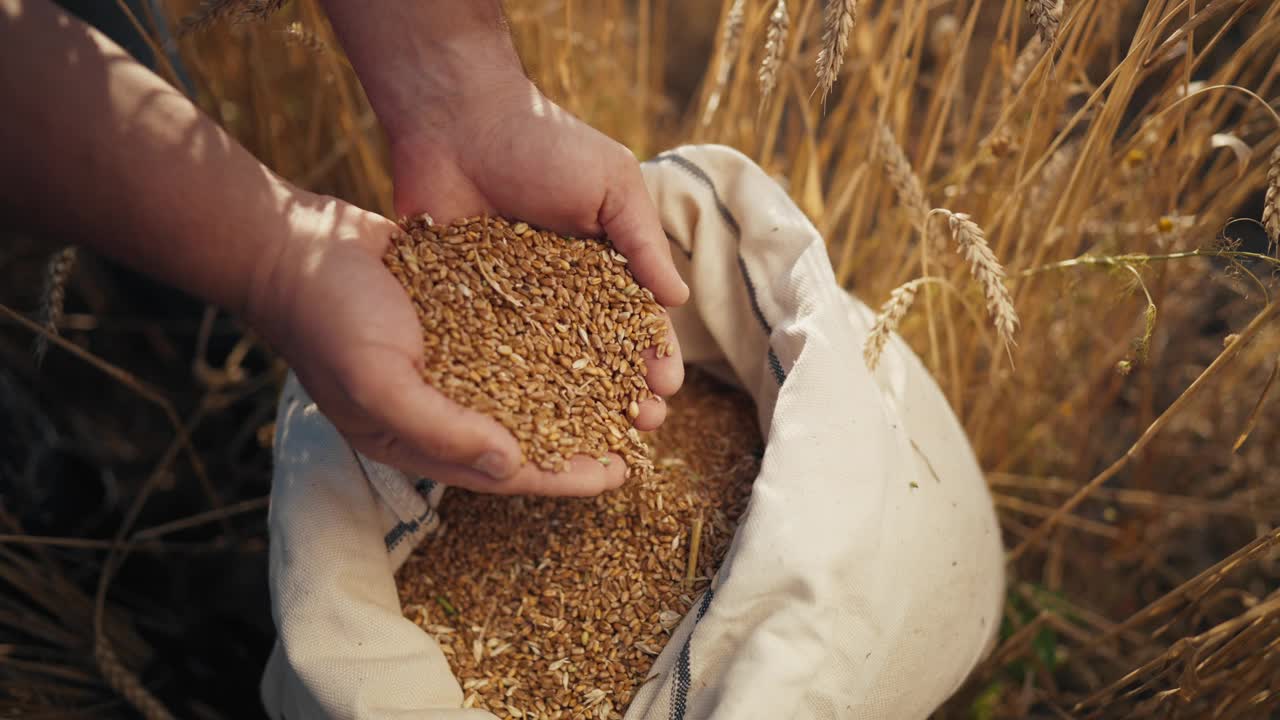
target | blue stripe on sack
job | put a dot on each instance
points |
(404, 529)
(779, 373)
(684, 674)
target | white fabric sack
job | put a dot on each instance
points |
(865, 579)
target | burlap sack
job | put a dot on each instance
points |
(865, 580)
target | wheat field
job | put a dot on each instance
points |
(1070, 210)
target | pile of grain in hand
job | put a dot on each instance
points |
(556, 608)
(542, 332)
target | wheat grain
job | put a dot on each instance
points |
(53, 296)
(1046, 16)
(730, 41)
(987, 270)
(1271, 203)
(553, 607)
(891, 314)
(775, 44)
(543, 333)
(901, 176)
(838, 21)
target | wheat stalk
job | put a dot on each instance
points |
(53, 296)
(1271, 204)
(891, 314)
(775, 43)
(901, 176)
(1046, 16)
(730, 40)
(987, 270)
(839, 18)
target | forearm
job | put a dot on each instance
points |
(418, 60)
(98, 150)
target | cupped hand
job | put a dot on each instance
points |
(503, 148)
(348, 330)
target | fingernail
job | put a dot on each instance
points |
(495, 464)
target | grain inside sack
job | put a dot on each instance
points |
(556, 608)
(542, 332)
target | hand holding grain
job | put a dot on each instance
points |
(511, 152)
(349, 332)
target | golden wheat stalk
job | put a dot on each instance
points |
(987, 270)
(1046, 16)
(775, 43)
(1271, 204)
(839, 18)
(901, 176)
(891, 314)
(730, 40)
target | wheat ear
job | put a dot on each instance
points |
(901, 176)
(838, 21)
(775, 43)
(730, 39)
(891, 314)
(987, 270)
(1271, 204)
(53, 295)
(1026, 62)
(1046, 16)
(214, 11)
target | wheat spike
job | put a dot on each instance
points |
(901, 176)
(1046, 16)
(1271, 204)
(891, 314)
(214, 11)
(775, 43)
(730, 39)
(1026, 62)
(299, 36)
(53, 296)
(988, 271)
(839, 18)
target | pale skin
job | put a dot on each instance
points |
(98, 150)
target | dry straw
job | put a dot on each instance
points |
(837, 22)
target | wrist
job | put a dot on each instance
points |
(422, 63)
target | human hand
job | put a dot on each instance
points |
(346, 326)
(502, 148)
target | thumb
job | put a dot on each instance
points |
(630, 221)
(422, 426)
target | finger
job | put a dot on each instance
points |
(630, 221)
(665, 374)
(434, 427)
(585, 477)
(652, 412)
